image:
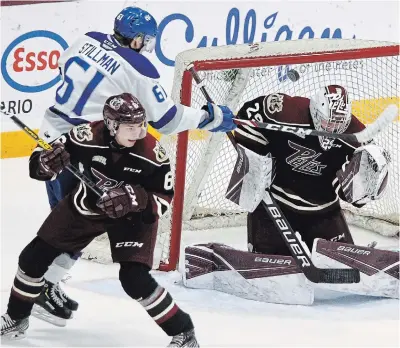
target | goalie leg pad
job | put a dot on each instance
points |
(260, 277)
(379, 269)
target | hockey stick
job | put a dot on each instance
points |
(385, 119)
(296, 248)
(46, 146)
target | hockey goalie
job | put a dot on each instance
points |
(306, 176)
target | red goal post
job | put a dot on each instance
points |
(234, 74)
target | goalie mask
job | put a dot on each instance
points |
(330, 110)
(125, 117)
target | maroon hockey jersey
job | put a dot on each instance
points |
(305, 178)
(95, 153)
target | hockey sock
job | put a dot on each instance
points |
(28, 282)
(164, 311)
(60, 266)
(24, 292)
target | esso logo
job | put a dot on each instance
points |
(30, 63)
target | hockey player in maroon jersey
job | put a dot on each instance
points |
(310, 174)
(134, 171)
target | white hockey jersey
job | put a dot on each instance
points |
(96, 67)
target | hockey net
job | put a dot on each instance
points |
(203, 162)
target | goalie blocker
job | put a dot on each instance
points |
(277, 279)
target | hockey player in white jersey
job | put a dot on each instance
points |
(93, 68)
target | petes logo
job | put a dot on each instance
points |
(83, 132)
(161, 153)
(104, 182)
(274, 103)
(338, 102)
(116, 103)
(304, 160)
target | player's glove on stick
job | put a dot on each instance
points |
(121, 201)
(365, 177)
(52, 162)
(220, 118)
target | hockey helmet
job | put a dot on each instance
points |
(125, 109)
(330, 109)
(133, 22)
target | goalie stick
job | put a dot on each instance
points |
(292, 240)
(385, 119)
(46, 146)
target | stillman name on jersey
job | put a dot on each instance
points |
(100, 57)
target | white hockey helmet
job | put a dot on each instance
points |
(330, 109)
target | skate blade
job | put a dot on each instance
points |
(13, 336)
(40, 313)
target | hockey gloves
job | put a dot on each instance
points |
(220, 119)
(52, 162)
(118, 202)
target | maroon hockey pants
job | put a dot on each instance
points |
(264, 237)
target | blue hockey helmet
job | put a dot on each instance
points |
(133, 22)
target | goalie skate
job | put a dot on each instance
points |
(13, 329)
(50, 306)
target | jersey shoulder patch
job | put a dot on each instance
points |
(88, 134)
(283, 109)
(82, 133)
(151, 149)
(160, 153)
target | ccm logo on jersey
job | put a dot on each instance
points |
(133, 170)
(128, 244)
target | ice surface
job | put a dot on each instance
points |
(107, 317)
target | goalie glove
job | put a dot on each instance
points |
(365, 177)
(120, 201)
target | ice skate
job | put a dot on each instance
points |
(13, 329)
(184, 339)
(50, 307)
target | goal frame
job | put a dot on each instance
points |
(185, 93)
